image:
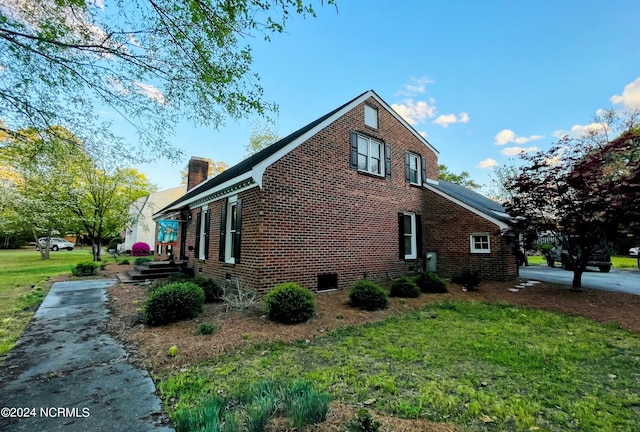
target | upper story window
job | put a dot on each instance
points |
(370, 155)
(415, 168)
(371, 116)
(480, 243)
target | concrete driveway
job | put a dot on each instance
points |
(627, 281)
(67, 374)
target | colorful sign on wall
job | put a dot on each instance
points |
(167, 231)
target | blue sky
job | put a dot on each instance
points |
(482, 79)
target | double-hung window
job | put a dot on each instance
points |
(230, 230)
(415, 168)
(370, 155)
(410, 235)
(480, 243)
(202, 233)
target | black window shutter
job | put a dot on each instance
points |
(424, 169)
(419, 235)
(207, 220)
(238, 234)
(223, 231)
(401, 235)
(387, 164)
(197, 245)
(354, 150)
(407, 162)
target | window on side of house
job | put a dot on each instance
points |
(202, 233)
(480, 243)
(415, 168)
(370, 155)
(410, 235)
(231, 230)
(371, 116)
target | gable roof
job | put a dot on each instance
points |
(249, 172)
(473, 201)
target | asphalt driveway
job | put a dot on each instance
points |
(67, 374)
(627, 281)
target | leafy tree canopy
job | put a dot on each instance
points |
(262, 136)
(151, 62)
(463, 179)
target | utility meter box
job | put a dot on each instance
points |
(431, 261)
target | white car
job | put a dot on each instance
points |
(55, 244)
(634, 251)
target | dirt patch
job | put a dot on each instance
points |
(240, 329)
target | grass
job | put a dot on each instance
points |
(23, 285)
(621, 262)
(476, 365)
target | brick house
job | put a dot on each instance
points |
(352, 194)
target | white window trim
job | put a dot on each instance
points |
(371, 116)
(201, 252)
(228, 253)
(414, 238)
(418, 160)
(382, 156)
(473, 244)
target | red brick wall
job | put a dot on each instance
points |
(447, 230)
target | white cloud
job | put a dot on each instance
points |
(416, 112)
(446, 119)
(630, 97)
(415, 86)
(578, 131)
(487, 163)
(151, 91)
(514, 151)
(506, 136)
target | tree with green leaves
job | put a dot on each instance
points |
(262, 136)
(151, 63)
(60, 187)
(463, 179)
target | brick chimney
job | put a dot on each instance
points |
(197, 172)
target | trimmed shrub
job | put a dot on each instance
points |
(470, 279)
(289, 303)
(430, 282)
(87, 268)
(140, 249)
(142, 260)
(404, 287)
(368, 295)
(212, 291)
(206, 329)
(173, 302)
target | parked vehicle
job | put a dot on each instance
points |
(634, 251)
(55, 244)
(565, 252)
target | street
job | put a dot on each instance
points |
(627, 281)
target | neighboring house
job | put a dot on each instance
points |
(144, 230)
(353, 194)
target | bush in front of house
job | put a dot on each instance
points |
(404, 287)
(469, 279)
(113, 244)
(289, 303)
(142, 260)
(368, 295)
(212, 290)
(140, 249)
(430, 282)
(173, 302)
(87, 268)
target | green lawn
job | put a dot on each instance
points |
(23, 285)
(479, 366)
(621, 262)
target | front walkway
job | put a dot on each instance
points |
(67, 374)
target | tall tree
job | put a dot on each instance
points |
(262, 136)
(463, 179)
(151, 62)
(581, 188)
(62, 188)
